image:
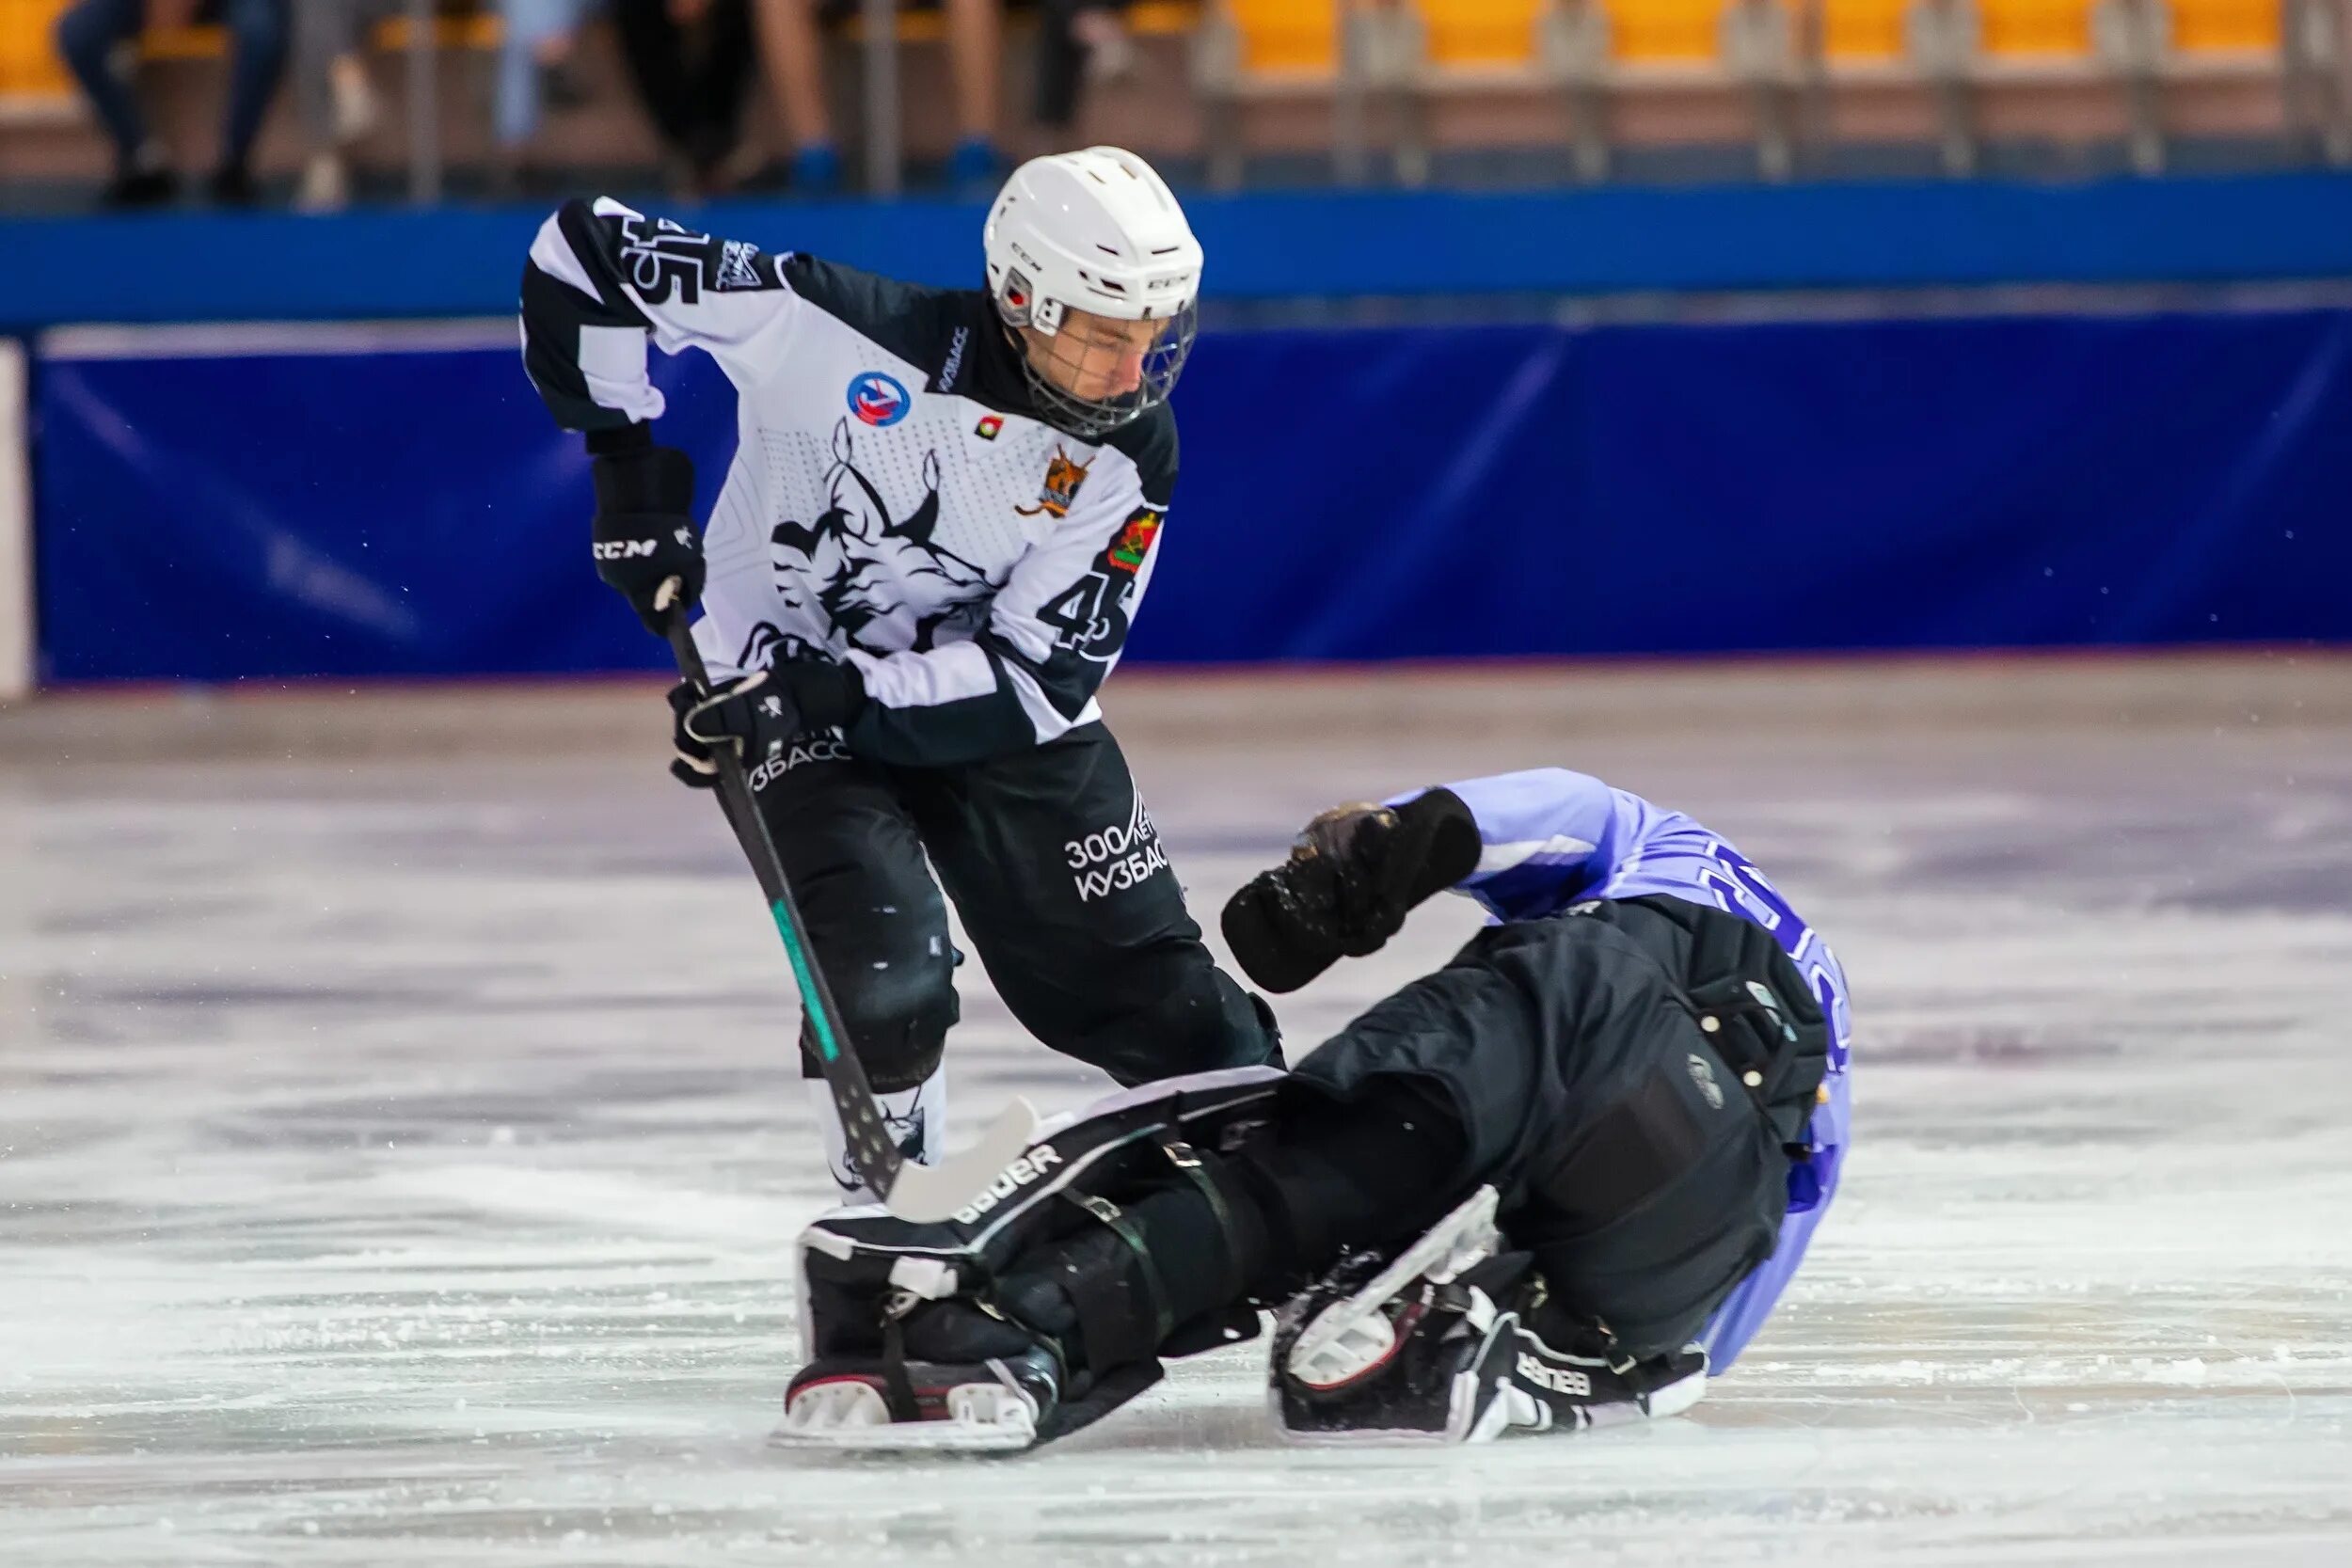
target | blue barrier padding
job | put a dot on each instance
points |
(1428, 493)
(459, 261)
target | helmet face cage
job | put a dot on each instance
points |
(1091, 418)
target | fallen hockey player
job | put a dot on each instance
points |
(1555, 1184)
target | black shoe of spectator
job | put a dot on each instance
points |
(140, 187)
(233, 187)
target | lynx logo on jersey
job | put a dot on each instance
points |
(876, 571)
(879, 399)
(1064, 474)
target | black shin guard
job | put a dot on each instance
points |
(1162, 1273)
(1361, 1173)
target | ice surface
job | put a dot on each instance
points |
(398, 1164)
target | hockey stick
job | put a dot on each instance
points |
(924, 1193)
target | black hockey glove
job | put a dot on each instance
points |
(758, 717)
(644, 527)
(1352, 878)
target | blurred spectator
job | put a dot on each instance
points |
(332, 88)
(691, 61)
(791, 51)
(1079, 40)
(94, 38)
(791, 54)
(538, 38)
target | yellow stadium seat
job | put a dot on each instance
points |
(1286, 37)
(1155, 19)
(2225, 26)
(2036, 29)
(1481, 35)
(1666, 32)
(206, 42)
(467, 30)
(1144, 19)
(478, 30)
(29, 67)
(1862, 31)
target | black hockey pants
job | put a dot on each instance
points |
(1065, 890)
(1596, 1063)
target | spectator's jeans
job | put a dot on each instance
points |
(89, 34)
(528, 24)
(324, 31)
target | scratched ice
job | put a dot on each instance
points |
(398, 1164)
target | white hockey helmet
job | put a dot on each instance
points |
(1096, 230)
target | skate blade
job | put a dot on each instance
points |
(852, 1417)
(1453, 1243)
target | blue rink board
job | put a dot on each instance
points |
(1432, 492)
(456, 261)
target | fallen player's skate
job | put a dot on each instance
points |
(1435, 1346)
(990, 1404)
(936, 1336)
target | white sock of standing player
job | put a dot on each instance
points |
(917, 1120)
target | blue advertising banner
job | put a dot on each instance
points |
(379, 508)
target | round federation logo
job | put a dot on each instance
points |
(878, 399)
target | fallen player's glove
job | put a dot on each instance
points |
(1033, 1311)
(645, 526)
(1353, 875)
(758, 717)
(1451, 1340)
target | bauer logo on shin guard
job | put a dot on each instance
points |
(1560, 1379)
(1009, 1180)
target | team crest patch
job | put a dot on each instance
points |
(879, 399)
(1063, 476)
(739, 267)
(1135, 541)
(989, 427)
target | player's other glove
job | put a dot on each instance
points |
(644, 527)
(1353, 875)
(758, 717)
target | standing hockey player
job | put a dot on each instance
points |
(1556, 1184)
(941, 516)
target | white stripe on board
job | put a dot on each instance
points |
(16, 528)
(226, 339)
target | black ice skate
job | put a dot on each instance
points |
(1433, 1348)
(957, 1376)
(999, 1404)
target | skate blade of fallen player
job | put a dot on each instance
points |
(930, 1194)
(852, 1415)
(1453, 1243)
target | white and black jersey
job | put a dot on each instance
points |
(895, 504)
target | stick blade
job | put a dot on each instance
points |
(929, 1194)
